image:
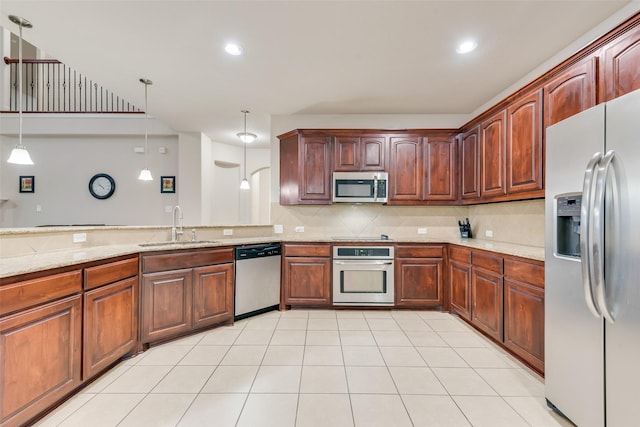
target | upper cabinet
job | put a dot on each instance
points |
(470, 164)
(570, 92)
(305, 169)
(405, 171)
(440, 168)
(359, 153)
(620, 65)
(493, 155)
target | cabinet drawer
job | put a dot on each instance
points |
(461, 254)
(487, 261)
(419, 251)
(109, 273)
(189, 259)
(33, 292)
(309, 249)
(523, 271)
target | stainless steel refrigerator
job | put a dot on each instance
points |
(592, 265)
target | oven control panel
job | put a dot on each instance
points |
(378, 252)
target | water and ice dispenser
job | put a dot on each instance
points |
(568, 224)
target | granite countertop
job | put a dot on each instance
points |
(12, 266)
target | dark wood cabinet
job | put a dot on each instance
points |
(40, 358)
(440, 168)
(486, 291)
(524, 144)
(305, 168)
(524, 310)
(110, 314)
(180, 300)
(620, 65)
(570, 92)
(493, 141)
(306, 275)
(460, 281)
(469, 161)
(359, 153)
(405, 168)
(419, 276)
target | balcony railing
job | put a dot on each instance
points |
(49, 86)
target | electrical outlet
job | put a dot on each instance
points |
(168, 209)
(79, 237)
(278, 229)
(422, 230)
(38, 208)
(299, 228)
(227, 232)
(488, 233)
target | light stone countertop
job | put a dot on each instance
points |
(16, 265)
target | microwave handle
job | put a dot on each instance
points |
(375, 188)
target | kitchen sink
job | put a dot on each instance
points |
(179, 243)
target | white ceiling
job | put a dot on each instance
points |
(305, 56)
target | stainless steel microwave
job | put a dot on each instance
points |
(360, 187)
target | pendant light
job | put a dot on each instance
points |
(145, 174)
(246, 138)
(20, 155)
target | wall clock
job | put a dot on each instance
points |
(102, 186)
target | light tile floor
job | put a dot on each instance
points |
(317, 368)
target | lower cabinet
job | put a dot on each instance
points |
(40, 358)
(419, 276)
(460, 281)
(306, 279)
(177, 301)
(486, 293)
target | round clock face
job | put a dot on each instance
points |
(102, 186)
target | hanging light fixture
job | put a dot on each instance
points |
(246, 138)
(145, 174)
(20, 155)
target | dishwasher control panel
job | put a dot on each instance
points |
(258, 251)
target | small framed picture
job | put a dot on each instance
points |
(167, 184)
(27, 184)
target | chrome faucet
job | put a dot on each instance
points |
(176, 230)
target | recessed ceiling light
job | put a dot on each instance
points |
(233, 49)
(466, 46)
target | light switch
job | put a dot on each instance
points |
(299, 229)
(227, 232)
(79, 237)
(488, 233)
(278, 229)
(422, 230)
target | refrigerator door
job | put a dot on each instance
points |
(574, 337)
(622, 268)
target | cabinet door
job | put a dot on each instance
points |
(315, 164)
(373, 153)
(492, 155)
(212, 295)
(110, 325)
(524, 144)
(621, 65)
(307, 281)
(418, 282)
(524, 321)
(405, 180)
(486, 294)
(460, 288)
(470, 164)
(346, 153)
(39, 358)
(166, 304)
(440, 168)
(570, 92)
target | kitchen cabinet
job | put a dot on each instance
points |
(405, 168)
(620, 65)
(306, 278)
(110, 314)
(571, 91)
(185, 291)
(440, 168)
(305, 168)
(524, 144)
(493, 155)
(40, 356)
(359, 153)
(419, 273)
(524, 310)
(469, 162)
(460, 281)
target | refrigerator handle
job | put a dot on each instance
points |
(586, 257)
(598, 233)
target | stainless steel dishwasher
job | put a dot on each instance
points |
(257, 279)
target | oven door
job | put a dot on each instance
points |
(363, 282)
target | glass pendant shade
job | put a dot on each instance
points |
(20, 156)
(145, 175)
(247, 137)
(244, 185)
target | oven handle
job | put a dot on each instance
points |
(363, 262)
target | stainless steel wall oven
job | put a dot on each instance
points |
(363, 275)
